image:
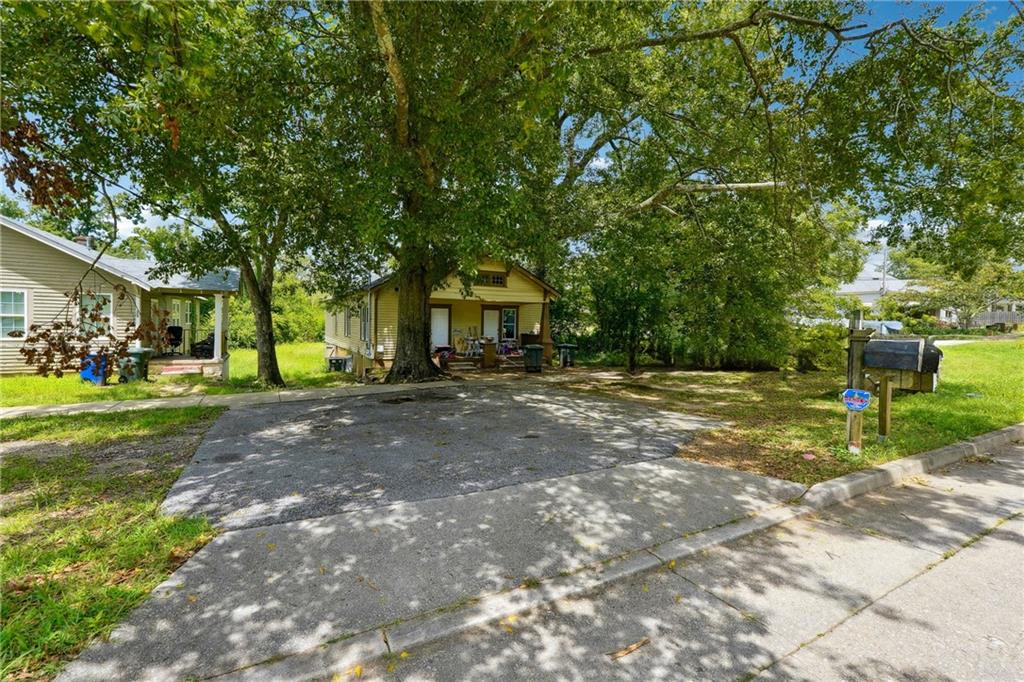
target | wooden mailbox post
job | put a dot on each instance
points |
(858, 339)
(908, 364)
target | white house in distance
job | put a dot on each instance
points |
(37, 268)
(873, 282)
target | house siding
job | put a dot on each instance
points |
(46, 274)
(340, 343)
(529, 318)
(387, 324)
(519, 289)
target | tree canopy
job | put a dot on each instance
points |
(720, 141)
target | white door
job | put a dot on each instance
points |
(439, 326)
(491, 319)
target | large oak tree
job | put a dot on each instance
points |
(198, 111)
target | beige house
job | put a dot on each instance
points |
(507, 304)
(37, 268)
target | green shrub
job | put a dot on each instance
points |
(819, 347)
(298, 316)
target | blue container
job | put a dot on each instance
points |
(90, 372)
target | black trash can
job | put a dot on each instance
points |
(135, 367)
(565, 354)
(532, 355)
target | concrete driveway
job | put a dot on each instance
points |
(268, 464)
(346, 515)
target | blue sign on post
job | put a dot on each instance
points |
(856, 400)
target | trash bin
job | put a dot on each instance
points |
(90, 371)
(489, 358)
(532, 355)
(134, 367)
(565, 354)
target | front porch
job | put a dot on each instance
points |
(487, 334)
(190, 352)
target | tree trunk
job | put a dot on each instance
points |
(267, 371)
(633, 341)
(412, 352)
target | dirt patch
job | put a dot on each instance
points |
(121, 456)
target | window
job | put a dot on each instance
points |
(509, 325)
(348, 321)
(87, 307)
(491, 279)
(188, 313)
(176, 313)
(364, 322)
(12, 313)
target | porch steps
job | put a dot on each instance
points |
(181, 369)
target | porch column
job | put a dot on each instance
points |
(225, 372)
(218, 326)
(545, 329)
(138, 317)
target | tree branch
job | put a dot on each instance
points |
(758, 17)
(394, 67)
(577, 167)
(705, 188)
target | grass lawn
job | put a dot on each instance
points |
(81, 542)
(302, 365)
(792, 426)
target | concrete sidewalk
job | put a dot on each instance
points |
(264, 593)
(223, 400)
(918, 581)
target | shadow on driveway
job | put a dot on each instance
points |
(269, 464)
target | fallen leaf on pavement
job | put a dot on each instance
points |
(626, 651)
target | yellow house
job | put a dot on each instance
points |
(508, 304)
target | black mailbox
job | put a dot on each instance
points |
(932, 358)
(905, 354)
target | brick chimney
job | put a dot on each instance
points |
(82, 240)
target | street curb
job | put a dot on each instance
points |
(827, 493)
(343, 655)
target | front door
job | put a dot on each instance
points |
(491, 321)
(439, 326)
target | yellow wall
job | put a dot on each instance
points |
(521, 291)
(386, 323)
(334, 331)
(529, 318)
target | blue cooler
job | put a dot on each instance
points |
(90, 372)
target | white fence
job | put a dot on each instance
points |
(997, 316)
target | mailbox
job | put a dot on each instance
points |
(905, 354)
(911, 364)
(932, 358)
